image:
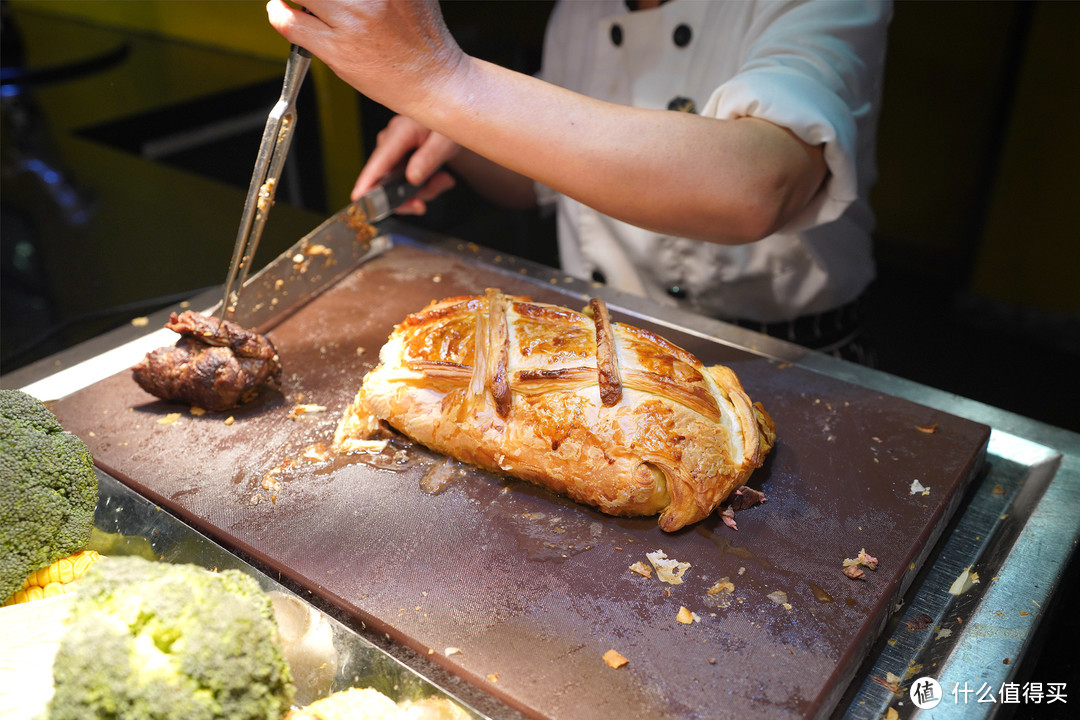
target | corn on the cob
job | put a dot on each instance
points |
(55, 579)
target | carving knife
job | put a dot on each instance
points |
(322, 257)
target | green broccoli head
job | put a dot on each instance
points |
(154, 640)
(48, 490)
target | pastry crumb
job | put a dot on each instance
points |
(668, 570)
(964, 582)
(917, 488)
(614, 659)
(722, 585)
(686, 617)
(305, 409)
(778, 596)
(853, 568)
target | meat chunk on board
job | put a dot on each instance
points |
(215, 368)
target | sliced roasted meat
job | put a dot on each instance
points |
(212, 367)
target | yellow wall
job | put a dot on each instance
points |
(239, 26)
(232, 24)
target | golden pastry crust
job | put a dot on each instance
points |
(610, 415)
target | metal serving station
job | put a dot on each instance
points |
(1011, 523)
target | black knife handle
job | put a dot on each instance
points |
(397, 188)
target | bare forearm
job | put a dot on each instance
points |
(495, 182)
(725, 181)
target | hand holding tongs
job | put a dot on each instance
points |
(272, 152)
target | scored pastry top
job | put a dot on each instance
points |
(526, 347)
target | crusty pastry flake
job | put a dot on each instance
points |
(668, 570)
(615, 659)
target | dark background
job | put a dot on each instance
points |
(978, 199)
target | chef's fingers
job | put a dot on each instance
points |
(401, 136)
(439, 183)
(434, 151)
(294, 24)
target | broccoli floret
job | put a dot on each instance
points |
(168, 642)
(48, 490)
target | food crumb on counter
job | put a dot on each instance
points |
(728, 516)
(614, 659)
(371, 447)
(230, 420)
(305, 409)
(853, 568)
(686, 617)
(854, 572)
(641, 569)
(140, 321)
(197, 411)
(746, 497)
(168, 419)
(493, 677)
(778, 596)
(917, 488)
(668, 570)
(724, 584)
(919, 622)
(964, 582)
(451, 651)
(316, 453)
(891, 681)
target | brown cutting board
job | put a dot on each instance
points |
(532, 589)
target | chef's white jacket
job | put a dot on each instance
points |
(814, 67)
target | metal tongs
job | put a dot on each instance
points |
(273, 149)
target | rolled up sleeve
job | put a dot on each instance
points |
(815, 69)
